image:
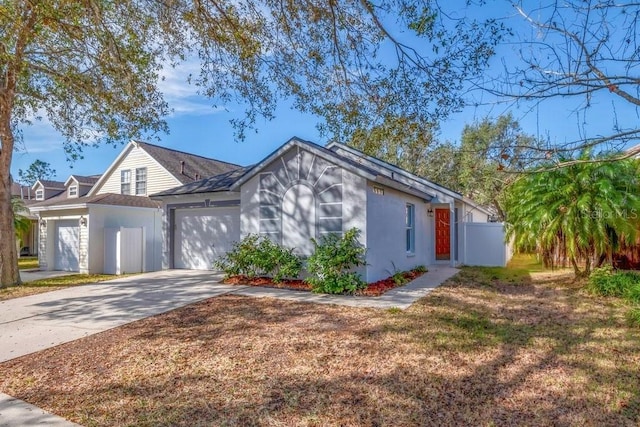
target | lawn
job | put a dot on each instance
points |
(490, 347)
(28, 263)
(51, 284)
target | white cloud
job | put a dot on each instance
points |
(183, 97)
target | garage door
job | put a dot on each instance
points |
(202, 235)
(67, 245)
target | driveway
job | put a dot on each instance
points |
(36, 322)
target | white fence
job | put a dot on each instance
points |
(484, 244)
(123, 250)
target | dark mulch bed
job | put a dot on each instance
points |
(374, 289)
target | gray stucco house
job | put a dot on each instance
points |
(303, 190)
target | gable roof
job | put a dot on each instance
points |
(232, 182)
(49, 185)
(172, 160)
(184, 167)
(83, 180)
(214, 184)
(111, 199)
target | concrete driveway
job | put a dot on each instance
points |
(36, 322)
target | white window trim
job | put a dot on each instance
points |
(40, 194)
(75, 191)
(122, 182)
(145, 182)
(410, 229)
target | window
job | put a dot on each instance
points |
(141, 181)
(73, 191)
(125, 182)
(410, 220)
(40, 194)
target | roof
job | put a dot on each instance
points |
(21, 191)
(195, 167)
(84, 180)
(56, 185)
(99, 199)
(214, 184)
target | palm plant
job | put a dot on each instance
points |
(21, 223)
(583, 211)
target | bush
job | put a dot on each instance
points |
(331, 264)
(258, 256)
(604, 281)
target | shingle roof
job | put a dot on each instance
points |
(86, 180)
(194, 165)
(100, 199)
(221, 182)
(21, 191)
(52, 184)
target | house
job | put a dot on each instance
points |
(107, 223)
(302, 191)
(28, 241)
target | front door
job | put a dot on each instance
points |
(443, 234)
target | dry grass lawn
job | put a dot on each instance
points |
(52, 284)
(491, 347)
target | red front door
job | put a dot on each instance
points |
(443, 234)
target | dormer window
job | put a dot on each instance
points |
(125, 181)
(40, 194)
(141, 181)
(73, 191)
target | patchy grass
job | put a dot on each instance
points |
(484, 349)
(52, 284)
(28, 263)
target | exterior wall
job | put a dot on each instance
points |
(339, 198)
(158, 178)
(485, 244)
(46, 247)
(386, 231)
(186, 202)
(102, 216)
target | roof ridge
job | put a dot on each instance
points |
(186, 153)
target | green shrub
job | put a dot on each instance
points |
(399, 279)
(331, 264)
(420, 269)
(258, 256)
(604, 281)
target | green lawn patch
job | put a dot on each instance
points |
(52, 284)
(28, 263)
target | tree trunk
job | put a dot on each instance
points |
(9, 274)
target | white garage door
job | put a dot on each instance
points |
(67, 245)
(202, 235)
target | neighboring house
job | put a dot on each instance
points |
(107, 223)
(303, 191)
(28, 240)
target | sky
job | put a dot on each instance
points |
(196, 127)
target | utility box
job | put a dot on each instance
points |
(124, 250)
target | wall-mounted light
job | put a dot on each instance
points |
(83, 221)
(43, 223)
(430, 211)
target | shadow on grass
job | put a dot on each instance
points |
(481, 350)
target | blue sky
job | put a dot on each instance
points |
(198, 128)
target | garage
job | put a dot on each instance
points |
(67, 246)
(202, 235)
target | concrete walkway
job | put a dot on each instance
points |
(36, 274)
(37, 322)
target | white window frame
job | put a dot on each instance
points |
(40, 194)
(73, 191)
(410, 228)
(141, 181)
(125, 173)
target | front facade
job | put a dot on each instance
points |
(303, 191)
(107, 223)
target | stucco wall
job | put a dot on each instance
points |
(386, 231)
(101, 217)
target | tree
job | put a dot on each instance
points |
(582, 211)
(490, 156)
(36, 171)
(585, 53)
(92, 68)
